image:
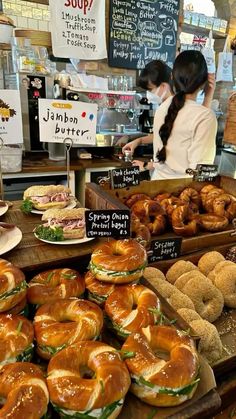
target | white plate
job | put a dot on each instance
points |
(3, 209)
(10, 239)
(71, 205)
(69, 241)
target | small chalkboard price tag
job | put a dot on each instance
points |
(206, 172)
(107, 223)
(165, 249)
(125, 176)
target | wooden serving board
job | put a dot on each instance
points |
(97, 197)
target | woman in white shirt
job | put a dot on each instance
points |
(184, 131)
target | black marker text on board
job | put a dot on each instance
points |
(107, 223)
(165, 249)
(125, 176)
(142, 31)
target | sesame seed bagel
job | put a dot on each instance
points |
(119, 261)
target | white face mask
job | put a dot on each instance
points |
(154, 98)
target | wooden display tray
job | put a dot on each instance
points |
(225, 324)
(98, 198)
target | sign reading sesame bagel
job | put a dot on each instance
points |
(206, 172)
(125, 176)
(107, 223)
(165, 249)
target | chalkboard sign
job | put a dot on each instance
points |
(108, 223)
(165, 249)
(125, 176)
(206, 172)
(142, 31)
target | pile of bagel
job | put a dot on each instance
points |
(198, 293)
(85, 375)
(210, 209)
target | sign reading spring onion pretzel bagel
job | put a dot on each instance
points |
(206, 172)
(125, 176)
(107, 223)
(165, 249)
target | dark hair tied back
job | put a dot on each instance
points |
(175, 106)
(189, 74)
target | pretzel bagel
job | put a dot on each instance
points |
(139, 231)
(65, 322)
(12, 285)
(53, 285)
(19, 308)
(23, 387)
(212, 222)
(118, 261)
(154, 380)
(151, 214)
(16, 339)
(88, 379)
(135, 198)
(182, 222)
(225, 206)
(97, 291)
(131, 307)
(190, 195)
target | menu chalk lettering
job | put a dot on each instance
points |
(165, 249)
(123, 177)
(206, 172)
(142, 31)
(107, 223)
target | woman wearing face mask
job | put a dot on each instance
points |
(156, 79)
(184, 131)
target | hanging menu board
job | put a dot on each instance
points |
(142, 31)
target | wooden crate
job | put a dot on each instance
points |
(98, 198)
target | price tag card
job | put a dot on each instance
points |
(125, 176)
(108, 223)
(165, 249)
(206, 172)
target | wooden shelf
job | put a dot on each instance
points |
(202, 31)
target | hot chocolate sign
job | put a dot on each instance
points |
(60, 119)
(78, 29)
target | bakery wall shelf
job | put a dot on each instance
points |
(197, 30)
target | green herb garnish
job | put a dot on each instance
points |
(13, 291)
(145, 382)
(19, 327)
(105, 412)
(102, 387)
(152, 414)
(27, 355)
(50, 349)
(49, 234)
(127, 354)
(69, 276)
(49, 277)
(26, 206)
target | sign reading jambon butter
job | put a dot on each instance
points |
(60, 119)
(78, 29)
(10, 117)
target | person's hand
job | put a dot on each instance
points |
(131, 146)
(209, 90)
(139, 164)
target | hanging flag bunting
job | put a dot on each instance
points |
(78, 29)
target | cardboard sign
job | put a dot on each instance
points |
(123, 177)
(60, 119)
(10, 117)
(165, 249)
(206, 172)
(108, 223)
(78, 29)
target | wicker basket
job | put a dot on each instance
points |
(230, 125)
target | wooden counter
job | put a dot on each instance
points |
(32, 254)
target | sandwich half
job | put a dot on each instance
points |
(44, 197)
(71, 221)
